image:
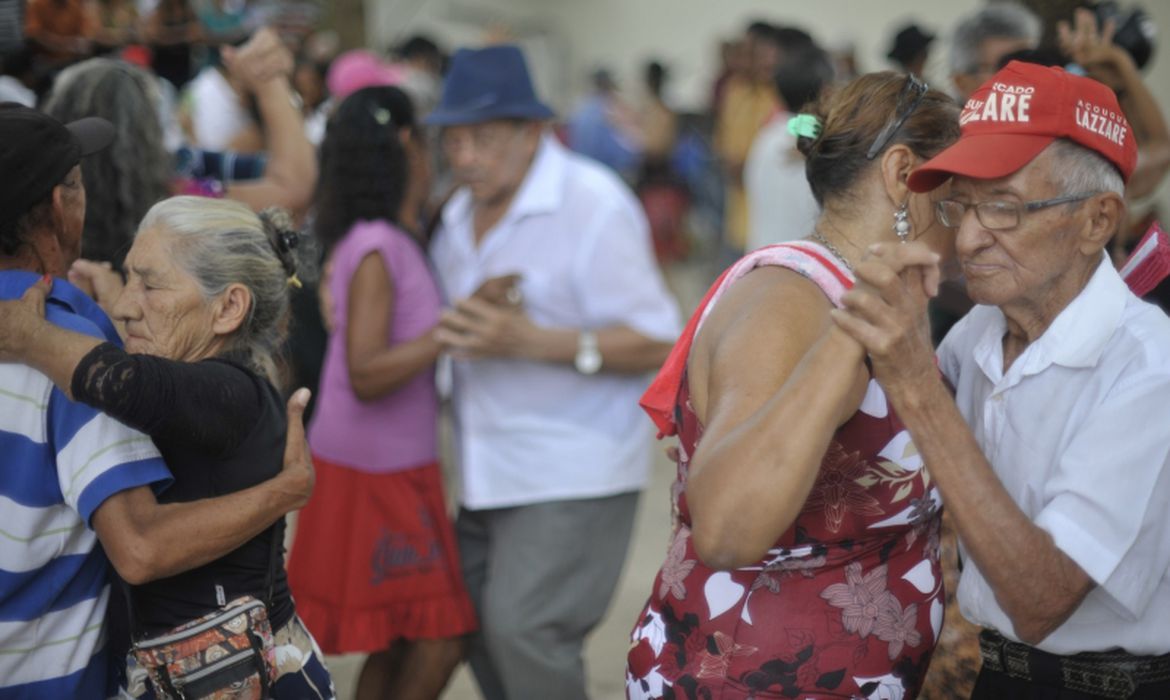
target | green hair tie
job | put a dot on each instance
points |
(806, 125)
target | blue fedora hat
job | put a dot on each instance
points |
(487, 84)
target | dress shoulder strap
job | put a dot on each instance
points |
(805, 257)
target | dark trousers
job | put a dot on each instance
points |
(995, 685)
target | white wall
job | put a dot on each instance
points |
(565, 39)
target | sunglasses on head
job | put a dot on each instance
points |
(908, 100)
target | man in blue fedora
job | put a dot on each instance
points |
(559, 310)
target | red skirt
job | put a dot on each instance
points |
(374, 560)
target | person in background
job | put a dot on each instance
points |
(910, 49)
(137, 171)
(549, 359)
(747, 104)
(602, 128)
(980, 40)
(780, 203)
(734, 62)
(61, 31)
(804, 557)
(662, 192)
(423, 61)
(1091, 46)
(170, 29)
(374, 567)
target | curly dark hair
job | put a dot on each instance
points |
(364, 166)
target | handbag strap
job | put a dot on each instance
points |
(270, 580)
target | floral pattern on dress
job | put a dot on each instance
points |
(676, 567)
(846, 603)
(837, 489)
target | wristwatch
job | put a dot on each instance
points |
(588, 359)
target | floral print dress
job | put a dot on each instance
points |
(848, 603)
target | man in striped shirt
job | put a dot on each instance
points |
(72, 478)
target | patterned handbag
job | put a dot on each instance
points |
(228, 654)
(225, 654)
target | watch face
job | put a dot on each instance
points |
(588, 361)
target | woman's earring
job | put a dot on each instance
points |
(902, 224)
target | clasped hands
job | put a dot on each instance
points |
(885, 312)
(489, 323)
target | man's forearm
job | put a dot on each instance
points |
(1036, 584)
(147, 540)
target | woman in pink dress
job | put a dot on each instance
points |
(804, 559)
(374, 564)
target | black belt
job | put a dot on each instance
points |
(1108, 674)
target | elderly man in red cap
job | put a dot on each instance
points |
(1053, 455)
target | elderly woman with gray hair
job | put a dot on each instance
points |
(204, 309)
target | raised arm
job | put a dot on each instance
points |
(771, 380)
(1093, 48)
(264, 66)
(146, 540)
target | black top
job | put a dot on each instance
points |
(220, 428)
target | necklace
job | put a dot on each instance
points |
(816, 236)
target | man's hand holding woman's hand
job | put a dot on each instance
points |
(886, 311)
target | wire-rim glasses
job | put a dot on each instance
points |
(998, 215)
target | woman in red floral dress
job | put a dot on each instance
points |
(804, 559)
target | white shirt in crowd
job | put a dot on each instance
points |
(217, 114)
(780, 202)
(530, 432)
(1078, 431)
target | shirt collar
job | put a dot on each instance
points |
(1080, 333)
(1076, 337)
(541, 191)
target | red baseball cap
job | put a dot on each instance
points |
(1018, 112)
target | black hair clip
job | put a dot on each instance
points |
(289, 240)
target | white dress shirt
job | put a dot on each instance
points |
(530, 432)
(781, 206)
(1078, 431)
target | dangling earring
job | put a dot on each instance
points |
(902, 224)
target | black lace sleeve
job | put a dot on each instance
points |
(210, 406)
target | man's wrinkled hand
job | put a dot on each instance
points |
(21, 319)
(886, 311)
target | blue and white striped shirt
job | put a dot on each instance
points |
(59, 461)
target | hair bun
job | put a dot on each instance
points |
(283, 235)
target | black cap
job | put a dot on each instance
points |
(908, 43)
(37, 151)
